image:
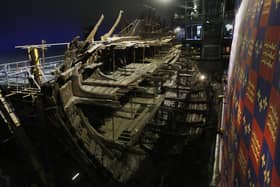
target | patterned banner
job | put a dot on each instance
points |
(251, 149)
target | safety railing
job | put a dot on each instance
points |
(18, 76)
(131, 28)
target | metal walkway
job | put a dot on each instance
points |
(17, 75)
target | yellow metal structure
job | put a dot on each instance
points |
(36, 70)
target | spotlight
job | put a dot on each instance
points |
(177, 30)
(202, 77)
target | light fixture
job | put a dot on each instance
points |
(229, 27)
(164, 1)
(202, 77)
(177, 30)
(75, 176)
(195, 7)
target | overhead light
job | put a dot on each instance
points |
(75, 176)
(202, 77)
(177, 30)
(164, 1)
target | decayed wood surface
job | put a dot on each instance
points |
(92, 34)
(131, 118)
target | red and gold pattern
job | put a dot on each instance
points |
(252, 116)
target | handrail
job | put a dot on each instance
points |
(18, 74)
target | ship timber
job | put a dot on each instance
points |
(130, 104)
(102, 98)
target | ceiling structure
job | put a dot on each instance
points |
(204, 8)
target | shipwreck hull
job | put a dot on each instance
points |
(102, 146)
(107, 110)
(128, 108)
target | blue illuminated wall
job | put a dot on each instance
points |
(30, 21)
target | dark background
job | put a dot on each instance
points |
(30, 21)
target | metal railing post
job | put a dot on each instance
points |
(16, 74)
(7, 74)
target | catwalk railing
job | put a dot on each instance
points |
(17, 75)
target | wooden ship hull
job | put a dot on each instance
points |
(96, 115)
